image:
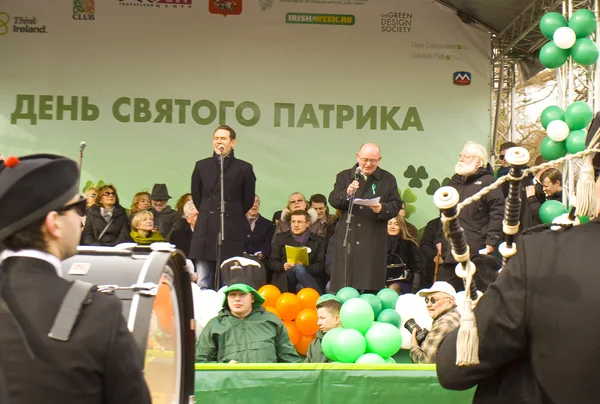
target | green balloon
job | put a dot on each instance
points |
(375, 303)
(583, 219)
(327, 296)
(552, 150)
(347, 293)
(357, 314)
(550, 210)
(583, 22)
(576, 141)
(328, 342)
(578, 115)
(349, 346)
(385, 340)
(390, 361)
(371, 358)
(550, 22)
(552, 56)
(552, 113)
(584, 52)
(388, 297)
(390, 316)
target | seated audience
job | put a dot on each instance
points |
(441, 305)
(328, 312)
(296, 201)
(141, 201)
(166, 219)
(259, 233)
(294, 276)
(276, 217)
(142, 226)
(325, 224)
(183, 199)
(182, 237)
(403, 249)
(245, 332)
(106, 222)
(91, 194)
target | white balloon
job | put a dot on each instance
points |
(564, 37)
(558, 130)
(405, 338)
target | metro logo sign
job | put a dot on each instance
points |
(461, 78)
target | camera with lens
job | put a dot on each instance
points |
(421, 334)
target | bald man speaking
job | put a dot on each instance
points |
(367, 239)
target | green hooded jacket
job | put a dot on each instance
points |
(259, 338)
(315, 352)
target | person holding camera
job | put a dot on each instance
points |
(441, 305)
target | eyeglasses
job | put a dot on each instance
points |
(79, 206)
(370, 161)
(434, 300)
(109, 193)
(298, 222)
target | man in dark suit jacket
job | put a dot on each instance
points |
(182, 237)
(88, 356)
(291, 276)
(239, 193)
(259, 233)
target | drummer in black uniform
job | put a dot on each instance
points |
(49, 354)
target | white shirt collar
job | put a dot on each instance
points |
(34, 254)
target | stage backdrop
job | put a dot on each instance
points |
(303, 82)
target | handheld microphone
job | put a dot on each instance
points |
(82, 146)
(357, 173)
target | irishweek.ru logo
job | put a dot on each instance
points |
(328, 19)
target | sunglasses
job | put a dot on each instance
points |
(79, 206)
(109, 194)
(433, 300)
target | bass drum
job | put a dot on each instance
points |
(154, 288)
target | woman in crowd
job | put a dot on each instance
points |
(141, 201)
(91, 194)
(403, 249)
(142, 226)
(106, 222)
(296, 201)
(181, 203)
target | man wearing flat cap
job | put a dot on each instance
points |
(245, 332)
(97, 361)
(166, 219)
(537, 323)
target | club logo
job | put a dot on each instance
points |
(461, 78)
(225, 7)
(84, 10)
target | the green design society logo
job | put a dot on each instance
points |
(328, 19)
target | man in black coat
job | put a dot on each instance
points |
(43, 358)
(367, 238)
(239, 194)
(482, 220)
(536, 322)
(291, 276)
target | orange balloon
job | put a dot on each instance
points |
(292, 331)
(306, 322)
(271, 293)
(303, 344)
(273, 310)
(308, 297)
(288, 305)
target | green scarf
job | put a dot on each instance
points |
(152, 237)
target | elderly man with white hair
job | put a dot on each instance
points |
(482, 220)
(441, 306)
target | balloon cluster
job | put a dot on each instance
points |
(565, 129)
(568, 39)
(297, 311)
(372, 329)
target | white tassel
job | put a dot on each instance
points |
(586, 198)
(467, 341)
